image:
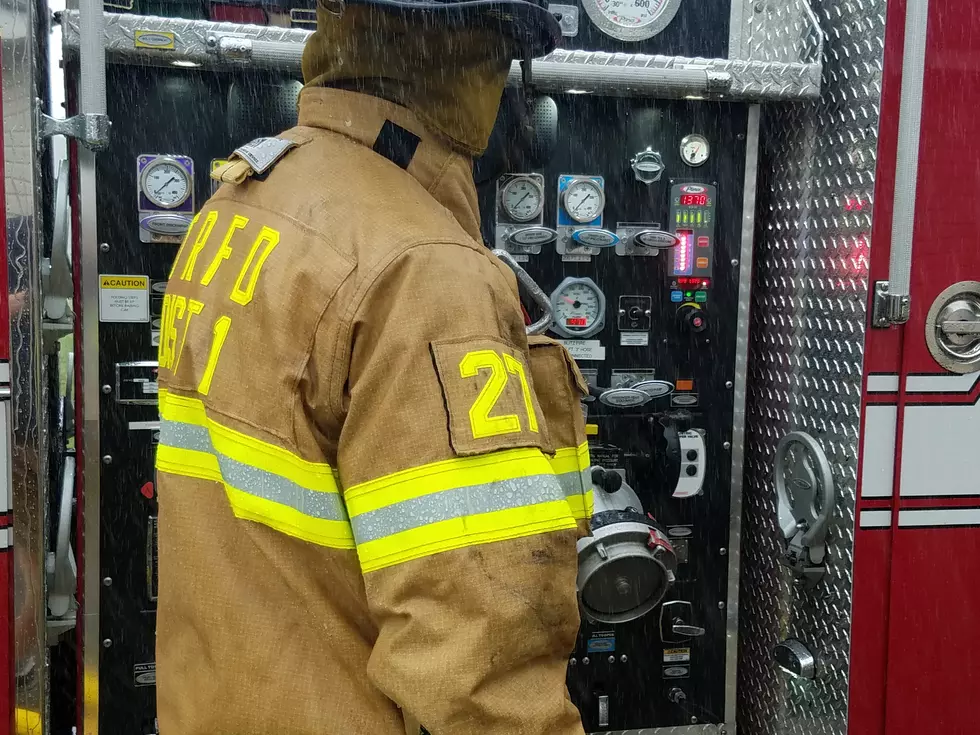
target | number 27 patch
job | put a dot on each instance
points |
(489, 396)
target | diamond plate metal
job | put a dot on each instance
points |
(773, 75)
(807, 337)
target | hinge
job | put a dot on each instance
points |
(91, 130)
(887, 308)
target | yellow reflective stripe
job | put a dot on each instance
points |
(204, 466)
(573, 462)
(457, 533)
(335, 534)
(188, 462)
(247, 449)
(262, 468)
(571, 459)
(449, 474)
(581, 505)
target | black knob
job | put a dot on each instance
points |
(608, 481)
(691, 470)
(692, 455)
(693, 317)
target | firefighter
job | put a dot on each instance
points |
(369, 481)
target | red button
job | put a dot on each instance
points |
(704, 242)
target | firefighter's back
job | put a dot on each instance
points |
(263, 621)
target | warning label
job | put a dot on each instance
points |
(124, 298)
(675, 655)
(145, 675)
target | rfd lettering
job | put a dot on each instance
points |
(180, 311)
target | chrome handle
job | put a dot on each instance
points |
(691, 631)
(539, 296)
(955, 326)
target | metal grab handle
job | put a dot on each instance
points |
(892, 298)
(540, 297)
(63, 575)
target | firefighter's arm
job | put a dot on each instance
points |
(464, 534)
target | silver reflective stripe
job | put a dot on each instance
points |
(574, 483)
(260, 483)
(455, 503)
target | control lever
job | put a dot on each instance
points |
(534, 291)
(679, 627)
(674, 423)
(806, 502)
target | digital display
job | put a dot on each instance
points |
(694, 200)
(684, 253)
(693, 281)
(576, 321)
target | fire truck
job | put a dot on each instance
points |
(744, 224)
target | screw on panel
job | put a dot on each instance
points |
(729, 384)
(721, 605)
(723, 731)
(734, 262)
(107, 643)
(623, 658)
(612, 659)
(104, 247)
(723, 551)
(585, 660)
(107, 582)
(107, 389)
(694, 720)
(573, 662)
(727, 445)
(107, 459)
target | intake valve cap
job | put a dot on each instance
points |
(627, 565)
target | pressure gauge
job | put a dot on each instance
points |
(522, 199)
(165, 183)
(695, 150)
(579, 307)
(631, 20)
(583, 200)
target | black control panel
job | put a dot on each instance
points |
(607, 248)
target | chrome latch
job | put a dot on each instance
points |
(887, 308)
(89, 129)
(953, 328)
(806, 501)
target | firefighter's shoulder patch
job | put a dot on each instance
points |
(489, 396)
(256, 158)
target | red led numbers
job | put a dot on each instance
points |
(694, 200)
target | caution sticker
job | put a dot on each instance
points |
(675, 655)
(124, 298)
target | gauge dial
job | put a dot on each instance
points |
(631, 20)
(695, 150)
(583, 200)
(165, 183)
(522, 199)
(579, 307)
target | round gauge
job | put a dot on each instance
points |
(695, 150)
(583, 200)
(579, 307)
(522, 199)
(631, 20)
(165, 183)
